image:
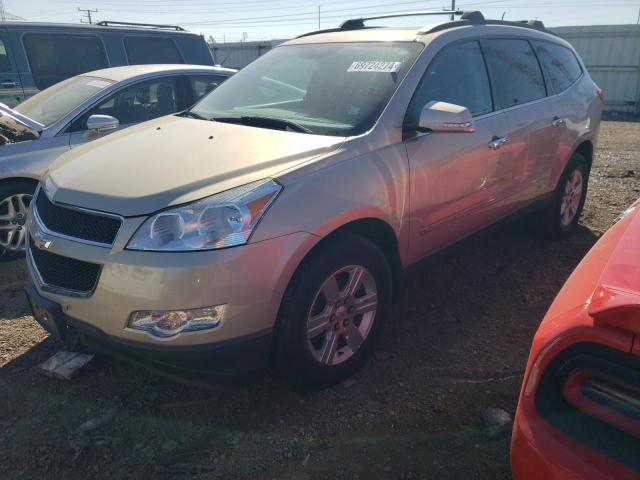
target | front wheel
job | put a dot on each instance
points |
(332, 312)
(561, 217)
(15, 198)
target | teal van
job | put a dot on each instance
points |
(34, 56)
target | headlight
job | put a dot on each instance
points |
(223, 220)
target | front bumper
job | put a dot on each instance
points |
(219, 361)
(249, 280)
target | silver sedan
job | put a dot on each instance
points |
(76, 111)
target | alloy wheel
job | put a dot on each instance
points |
(13, 215)
(571, 197)
(342, 314)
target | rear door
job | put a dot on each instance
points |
(532, 115)
(454, 176)
(11, 92)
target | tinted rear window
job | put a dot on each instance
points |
(515, 69)
(145, 50)
(55, 57)
(560, 63)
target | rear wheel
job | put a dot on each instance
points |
(333, 310)
(15, 198)
(561, 217)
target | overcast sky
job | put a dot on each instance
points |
(229, 20)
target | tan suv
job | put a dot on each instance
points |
(273, 220)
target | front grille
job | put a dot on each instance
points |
(76, 223)
(63, 272)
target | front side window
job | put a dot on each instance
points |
(560, 63)
(515, 70)
(328, 89)
(48, 106)
(137, 103)
(457, 75)
(55, 57)
(201, 85)
(148, 50)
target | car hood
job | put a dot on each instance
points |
(174, 160)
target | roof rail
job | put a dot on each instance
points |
(108, 23)
(532, 24)
(358, 23)
(355, 23)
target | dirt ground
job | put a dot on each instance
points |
(457, 343)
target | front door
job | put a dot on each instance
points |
(455, 177)
(131, 105)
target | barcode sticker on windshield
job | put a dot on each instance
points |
(98, 83)
(373, 66)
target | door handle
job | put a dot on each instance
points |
(557, 122)
(9, 84)
(497, 142)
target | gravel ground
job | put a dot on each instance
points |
(457, 343)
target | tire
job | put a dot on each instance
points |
(560, 218)
(298, 351)
(11, 191)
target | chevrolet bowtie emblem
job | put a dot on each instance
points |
(41, 241)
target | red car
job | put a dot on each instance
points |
(579, 411)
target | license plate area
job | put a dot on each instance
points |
(47, 313)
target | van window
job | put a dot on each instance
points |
(146, 50)
(55, 57)
(560, 63)
(515, 69)
(457, 75)
(203, 84)
(137, 103)
(5, 64)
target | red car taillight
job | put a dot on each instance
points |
(591, 392)
(609, 400)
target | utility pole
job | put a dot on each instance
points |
(318, 16)
(2, 10)
(453, 8)
(88, 13)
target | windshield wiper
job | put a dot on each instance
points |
(266, 122)
(190, 114)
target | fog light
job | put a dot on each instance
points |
(167, 323)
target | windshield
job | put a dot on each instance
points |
(51, 104)
(329, 89)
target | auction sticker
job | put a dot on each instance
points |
(374, 66)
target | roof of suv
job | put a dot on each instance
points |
(119, 74)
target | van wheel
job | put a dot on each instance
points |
(561, 217)
(15, 198)
(332, 312)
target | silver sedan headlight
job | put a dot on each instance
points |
(223, 220)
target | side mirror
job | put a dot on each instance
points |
(445, 117)
(99, 123)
